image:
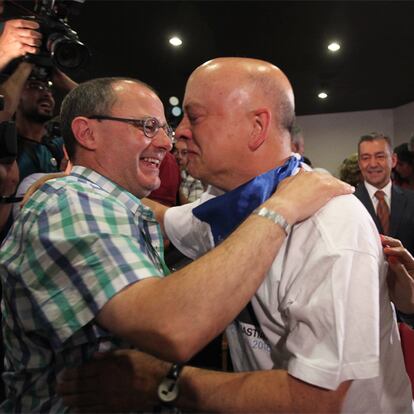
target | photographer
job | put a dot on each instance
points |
(39, 147)
(27, 90)
(18, 37)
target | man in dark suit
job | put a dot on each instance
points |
(376, 160)
(391, 207)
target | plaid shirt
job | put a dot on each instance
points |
(77, 242)
(191, 187)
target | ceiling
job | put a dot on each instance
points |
(373, 70)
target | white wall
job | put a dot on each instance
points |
(330, 138)
(403, 123)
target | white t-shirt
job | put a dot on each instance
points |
(323, 311)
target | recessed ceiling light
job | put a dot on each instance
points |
(173, 101)
(176, 111)
(334, 47)
(176, 41)
(322, 95)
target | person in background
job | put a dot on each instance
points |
(298, 143)
(390, 206)
(28, 99)
(404, 168)
(349, 170)
(400, 276)
(190, 188)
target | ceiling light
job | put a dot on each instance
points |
(334, 47)
(176, 41)
(322, 95)
(176, 111)
(173, 100)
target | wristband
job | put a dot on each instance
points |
(275, 217)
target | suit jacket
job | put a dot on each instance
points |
(402, 213)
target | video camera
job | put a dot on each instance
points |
(60, 46)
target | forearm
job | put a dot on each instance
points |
(273, 391)
(4, 60)
(12, 89)
(63, 81)
(248, 392)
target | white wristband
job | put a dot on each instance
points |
(275, 217)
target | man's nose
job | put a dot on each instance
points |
(183, 130)
(47, 92)
(162, 140)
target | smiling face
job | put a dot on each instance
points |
(123, 153)
(376, 162)
(36, 101)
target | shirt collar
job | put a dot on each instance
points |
(372, 190)
(131, 202)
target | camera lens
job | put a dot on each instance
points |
(68, 53)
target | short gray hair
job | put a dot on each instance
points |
(375, 136)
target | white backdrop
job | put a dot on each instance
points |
(330, 138)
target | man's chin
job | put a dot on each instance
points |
(41, 117)
(148, 189)
(193, 171)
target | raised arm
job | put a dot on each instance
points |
(12, 89)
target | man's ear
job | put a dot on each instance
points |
(261, 118)
(83, 132)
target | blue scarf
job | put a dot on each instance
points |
(226, 212)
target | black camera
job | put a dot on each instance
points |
(60, 46)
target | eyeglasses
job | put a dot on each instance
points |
(150, 126)
(39, 86)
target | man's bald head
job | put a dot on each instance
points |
(238, 114)
(250, 80)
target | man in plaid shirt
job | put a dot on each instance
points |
(70, 264)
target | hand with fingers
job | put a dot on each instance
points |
(300, 196)
(400, 275)
(19, 37)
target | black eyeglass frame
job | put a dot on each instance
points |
(140, 123)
